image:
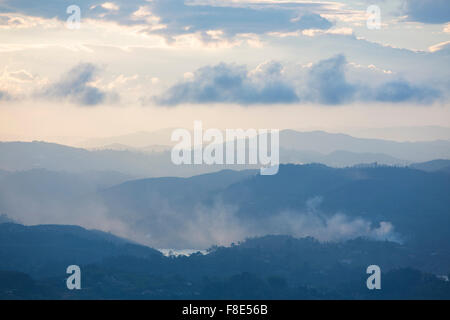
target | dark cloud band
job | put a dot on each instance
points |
(324, 83)
(181, 17)
(75, 86)
(427, 11)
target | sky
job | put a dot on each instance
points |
(147, 65)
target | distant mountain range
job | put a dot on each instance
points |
(153, 160)
(136, 140)
(412, 133)
(324, 142)
(433, 166)
(142, 139)
(122, 147)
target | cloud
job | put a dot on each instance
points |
(324, 82)
(316, 32)
(76, 85)
(427, 11)
(180, 17)
(447, 28)
(12, 83)
(176, 17)
(327, 82)
(219, 224)
(337, 227)
(440, 46)
(110, 6)
(227, 83)
(402, 91)
(16, 85)
(327, 227)
(168, 225)
(4, 96)
(20, 76)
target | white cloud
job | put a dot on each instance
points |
(315, 32)
(19, 83)
(110, 6)
(20, 21)
(447, 28)
(439, 46)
